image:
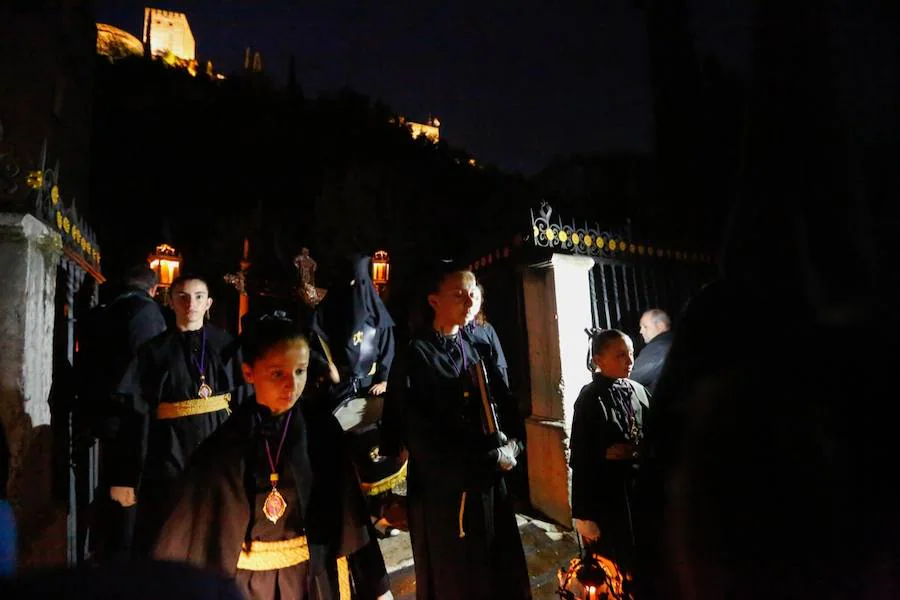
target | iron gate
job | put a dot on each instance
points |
(628, 277)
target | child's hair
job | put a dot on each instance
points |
(179, 281)
(265, 333)
(600, 341)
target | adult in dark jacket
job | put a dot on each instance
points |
(109, 338)
(656, 329)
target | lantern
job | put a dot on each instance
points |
(591, 576)
(166, 263)
(381, 269)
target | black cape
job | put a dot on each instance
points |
(151, 453)
(356, 325)
(448, 457)
(220, 496)
(603, 490)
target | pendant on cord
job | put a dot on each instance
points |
(205, 391)
(275, 504)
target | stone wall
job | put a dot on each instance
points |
(29, 255)
(557, 310)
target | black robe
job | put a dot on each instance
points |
(449, 457)
(488, 344)
(357, 328)
(222, 491)
(603, 490)
(152, 452)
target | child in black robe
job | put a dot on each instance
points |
(462, 524)
(607, 429)
(271, 498)
(484, 334)
(180, 387)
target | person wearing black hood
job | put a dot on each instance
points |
(354, 331)
(353, 327)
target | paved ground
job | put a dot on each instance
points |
(547, 547)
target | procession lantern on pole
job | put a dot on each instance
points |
(381, 269)
(166, 263)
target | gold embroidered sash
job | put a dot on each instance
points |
(196, 406)
(269, 556)
(389, 482)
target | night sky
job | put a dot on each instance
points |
(516, 84)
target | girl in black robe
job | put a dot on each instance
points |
(465, 539)
(484, 334)
(181, 386)
(607, 429)
(271, 498)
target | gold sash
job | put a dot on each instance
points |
(373, 489)
(196, 406)
(270, 556)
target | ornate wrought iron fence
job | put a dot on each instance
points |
(629, 276)
(35, 189)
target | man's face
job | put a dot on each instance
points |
(649, 328)
(191, 301)
(453, 300)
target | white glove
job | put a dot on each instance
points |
(508, 452)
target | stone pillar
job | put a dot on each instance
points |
(557, 310)
(29, 255)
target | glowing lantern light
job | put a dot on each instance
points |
(381, 270)
(166, 263)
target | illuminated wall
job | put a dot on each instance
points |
(113, 42)
(432, 132)
(169, 31)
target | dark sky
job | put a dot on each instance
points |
(515, 83)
